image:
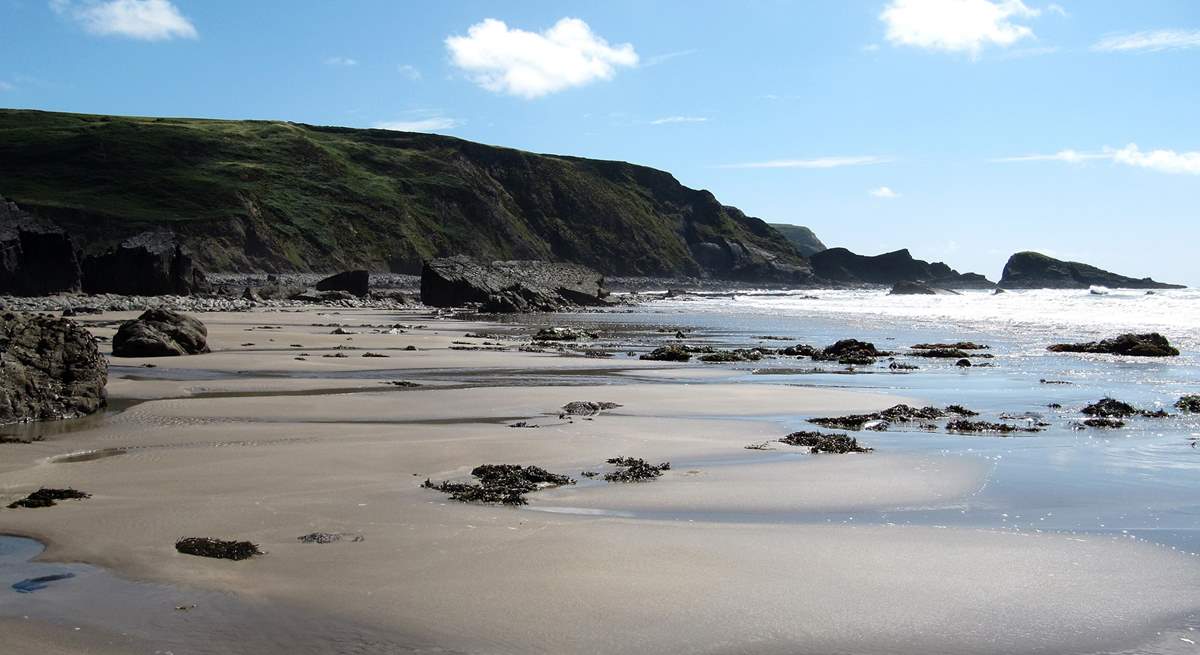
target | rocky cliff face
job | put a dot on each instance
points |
(150, 264)
(803, 238)
(36, 259)
(49, 368)
(841, 265)
(275, 196)
(1032, 270)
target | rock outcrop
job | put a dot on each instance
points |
(1151, 344)
(160, 333)
(906, 288)
(354, 282)
(514, 286)
(804, 239)
(50, 368)
(841, 265)
(36, 258)
(149, 264)
(1032, 270)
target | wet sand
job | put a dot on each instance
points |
(725, 553)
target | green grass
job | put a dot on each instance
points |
(267, 195)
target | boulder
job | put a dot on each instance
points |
(1152, 344)
(355, 282)
(50, 368)
(149, 264)
(906, 288)
(36, 258)
(160, 333)
(1033, 270)
(512, 286)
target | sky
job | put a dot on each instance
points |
(964, 130)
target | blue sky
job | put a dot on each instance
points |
(964, 130)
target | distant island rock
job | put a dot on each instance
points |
(803, 238)
(1033, 270)
(841, 265)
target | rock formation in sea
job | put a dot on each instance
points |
(149, 264)
(36, 258)
(513, 286)
(803, 238)
(50, 368)
(160, 333)
(841, 265)
(1033, 270)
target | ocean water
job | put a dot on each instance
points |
(1139, 482)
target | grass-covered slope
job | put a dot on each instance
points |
(266, 195)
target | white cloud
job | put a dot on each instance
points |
(148, 20)
(529, 64)
(1151, 41)
(883, 192)
(667, 120)
(1057, 9)
(431, 124)
(655, 60)
(341, 61)
(411, 72)
(819, 162)
(956, 25)
(1163, 161)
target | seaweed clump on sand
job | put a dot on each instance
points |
(587, 407)
(975, 427)
(47, 498)
(1113, 408)
(820, 442)
(500, 483)
(1189, 403)
(960, 345)
(217, 548)
(635, 469)
(895, 414)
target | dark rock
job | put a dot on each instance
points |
(36, 258)
(357, 283)
(633, 469)
(1190, 403)
(217, 548)
(48, 498)
(959, 345)
(965, 426)
(514, 286)
(945, 353)
(737, 355)
(804, 239)
(895, 414)
(1110, 407)
(50, 368)
(907, 288)
(820, 442)
(898, 366)
(587, 407)
(963, 363)
(841, 265)
(562, 334)
(672, 353)
(851, 351)
(317, 297)
(500, 483)
(1104, 423)
(800, 350)
(160, 333)
(1032, 270)
(1152, 344)
(149, 264)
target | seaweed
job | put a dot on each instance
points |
(820, 442)
(634, 469)
(500, 483)
(48, 498)
(217, 548)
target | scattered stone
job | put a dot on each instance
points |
(820, 442)
(965, 426)
(562, 334)
(160, 333)
(738, 355)
(410, 348)
(800, 350)
(501, 483)
(587, 407)
(328, 537)
(523, 424)
(48, 498)
(1054, 406)
(1104, 423)
(50, 368)
(588, 474)
(217, 548)
(1189, 403)
(671, 353)
(634, 469)
(897, 366)
(370, 354)
(1152, 344)
(342, 330)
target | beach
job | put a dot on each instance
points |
(730, 551)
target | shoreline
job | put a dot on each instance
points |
(214, 465)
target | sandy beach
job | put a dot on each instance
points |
(726, 553)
